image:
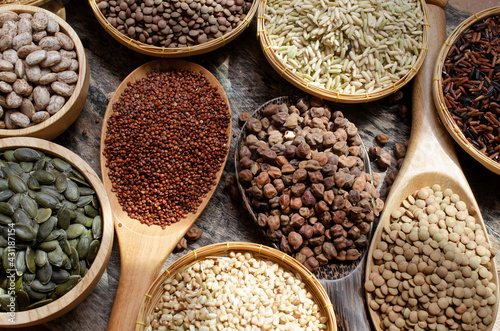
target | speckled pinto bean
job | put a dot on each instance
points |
(164, 144)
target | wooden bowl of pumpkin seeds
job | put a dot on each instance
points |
(56, 231)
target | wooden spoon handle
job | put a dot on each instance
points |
(141, 258)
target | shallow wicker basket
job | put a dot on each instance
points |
(24, 2)
(157, 51)
(154, 293)
(437, 90)
(60, 121)
(323, 93)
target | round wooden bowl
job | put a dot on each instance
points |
(71, 299)
(288, 263)
(166, 52)
(331, 95)
(60, 121)
(437, 89)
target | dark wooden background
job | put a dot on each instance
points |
(249, 81)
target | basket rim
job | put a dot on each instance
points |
(323, 93)
(83, 74)
(158, 51)
(438, 94)
(259, 251)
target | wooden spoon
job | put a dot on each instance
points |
(431, 155)
(143, 249)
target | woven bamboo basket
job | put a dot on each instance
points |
(323, 93)
(24, 2)
(437, 89)
(166, 52)
(153, 295)
(59, 122)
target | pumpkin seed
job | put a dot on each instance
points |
(78, 175)
(97, 227)
(84, 200)
(6, 195)
(7, 172)
(21, 217)
(61, 182)
(48, 246)
(35, 295)
(72, 192)
(88, 222)
(39, 304)
(47, 201)
(4, 184)
(25, 232)
(17, 184)
(86, 190)
(79, 181)
(83, 246)
(70, 205)
(27, 167)
(75, 230)
(40, 257)
(61, 164)
(56, 256)
(95, 202)
(20, 262)
(66, 262)
(5, 220)
(46, 228)
(43, 177)
(56, 235)
(65, 246)
(40, 164)
(44, 288)
(33, 183)
(23, 300)
(5, 300)
(9, 155)
(74, 258)
(83, 268)
(93, 249)
(65, 287)
(63, 217)
(43, 215)
(30, 259)
(59, 275)
(15, 167)
(25, 154)
(44, 273)
(15, 201)
(29, 205)
(73, 242)
(90, 211)
(52, 192)
(28, 277)
(6, 209)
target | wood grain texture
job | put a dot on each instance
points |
(71, 299)
(60, 121)
(249, 81)
(143, 248)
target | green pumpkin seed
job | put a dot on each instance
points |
(43, 177)
(25, 154)
(43, 215)
(74, 258)
(67, 285)
(35, 295)
(25, 176)
(80, 218)
(5, 220)
(79, 181)
(47, 201)
(15, 200)
(3, 285)
(83, 268)
(63, 217)
(39, 304)
(65, 246)
(52, 192)
(60, 276)
(44, 288)
(84, 200)
(27, 166)
(53, 171)
(97, 227)
(6, 195)
(90, 211)
(17, 184)
(33, 183)
(29, 205)
(73, 242)
(28, 277)
(48, 246)
(44, 273)
(93, 250)
(75, 230)
(4, 184)
(78, 175)
(25, 232)
(18, 283)
(20, 262)
(7, 172)
(46, 228)
(6, 209)
(56, 256)
(15, 167)
(9, 258)
(83, 246)
(40, 164)
(9, 155)
(56, 235)
(30, 260)
(61, 164)
(5, 300)
(86, 190)
(66, 262)
(40, 258)
(21, 217)
(72, 192)
(69, 204)
(61, 183)
(23, 300)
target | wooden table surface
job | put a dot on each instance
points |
(248, 81)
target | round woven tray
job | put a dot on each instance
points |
(323, 93)
(155, 292)
(446, 118)
(157, 51)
